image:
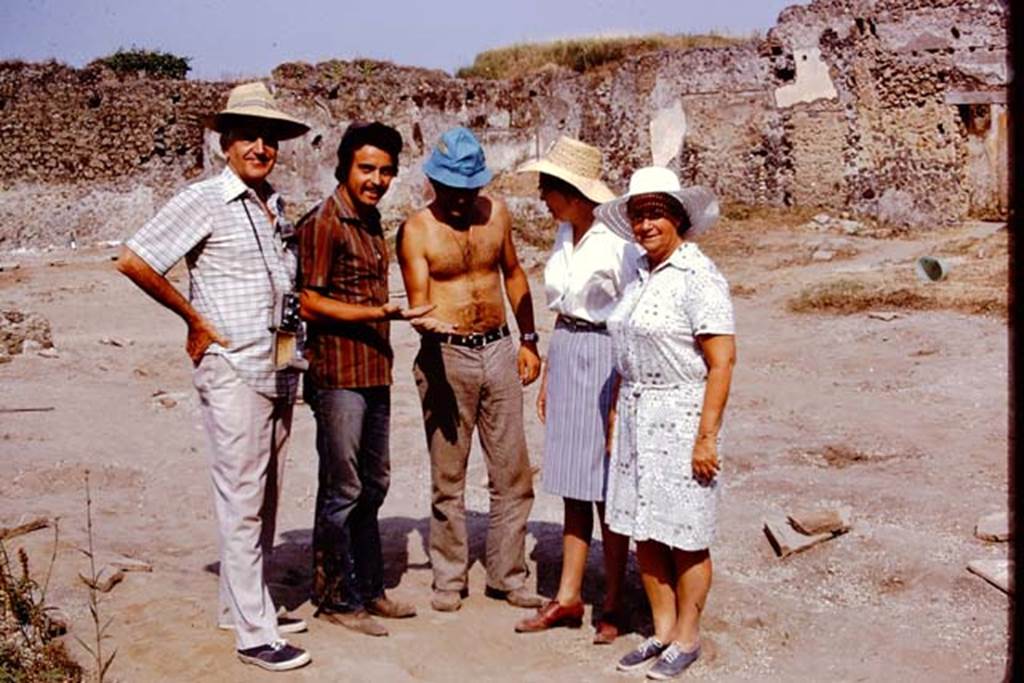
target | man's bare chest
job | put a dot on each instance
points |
(453, 253)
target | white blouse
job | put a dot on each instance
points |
(587, 279)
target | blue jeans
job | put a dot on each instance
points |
(352, 442)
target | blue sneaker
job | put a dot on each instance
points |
(645, 652)
(672, 662)
(277, 656)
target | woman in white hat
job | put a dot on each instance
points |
(586, 274)
(673, 336)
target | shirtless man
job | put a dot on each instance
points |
(454, 255)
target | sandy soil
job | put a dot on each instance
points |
(903, 420)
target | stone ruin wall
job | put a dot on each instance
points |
(891, 109)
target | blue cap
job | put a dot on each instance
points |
(458, 161)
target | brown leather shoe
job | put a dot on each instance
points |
(550, 615)
(610, 626)
(359, 621)
(390, 609)
(518, 597)
(446, 601)
(605, 632)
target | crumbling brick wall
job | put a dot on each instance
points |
(886, 108)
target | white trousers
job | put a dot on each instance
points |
(248, 438)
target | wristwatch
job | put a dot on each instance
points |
(529, 337)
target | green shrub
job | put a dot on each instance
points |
(151, 62)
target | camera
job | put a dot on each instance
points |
(285, 323)
(285, 315)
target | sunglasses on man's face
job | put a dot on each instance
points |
(267, 134)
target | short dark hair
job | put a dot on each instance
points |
(361, 133)
(660, 203)
(551, 182)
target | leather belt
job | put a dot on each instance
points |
(580, 324)
(473, 341)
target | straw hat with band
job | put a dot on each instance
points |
(254, 101)
(697, 201)
(575, 162)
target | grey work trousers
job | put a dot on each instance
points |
(460, 389)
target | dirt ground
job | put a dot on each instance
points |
(904, 420)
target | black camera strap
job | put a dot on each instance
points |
(259, 244)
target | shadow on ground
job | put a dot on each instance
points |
(290, 571)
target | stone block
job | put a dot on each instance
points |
(997, 572)
(993, 527)
(786, 540)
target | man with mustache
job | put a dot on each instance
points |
(240, 252)
(456, 254)
(344, 299)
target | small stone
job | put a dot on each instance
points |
(167, 402)
(7, 266)
(48, 353)
(115, 341)
(30, 345)
(823, 255)
(851, 227)
(993, 527)
(811, 522)
(822, 219)
(884, 315)
(130, 564)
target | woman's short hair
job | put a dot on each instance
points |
(660, 203)
(361, 133)
(556, 184)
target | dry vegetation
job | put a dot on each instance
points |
(29, 649)
(579, 55)
(977, 283)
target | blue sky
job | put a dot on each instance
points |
(233, 38)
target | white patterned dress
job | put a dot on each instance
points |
(652, 494)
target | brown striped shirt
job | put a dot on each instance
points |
(345, 257)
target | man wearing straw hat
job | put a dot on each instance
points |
(456, 254)
(240, 253)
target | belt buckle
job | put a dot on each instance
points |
(476, 340)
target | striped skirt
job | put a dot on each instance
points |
(579, 384)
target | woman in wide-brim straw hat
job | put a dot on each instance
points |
(586, 273)
(673, 338)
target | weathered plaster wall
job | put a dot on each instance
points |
(887, 108)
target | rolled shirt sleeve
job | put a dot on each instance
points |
(172, 233)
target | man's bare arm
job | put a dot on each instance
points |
(517, 288)
(200, 332)
(316, 307)
(412, 258)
